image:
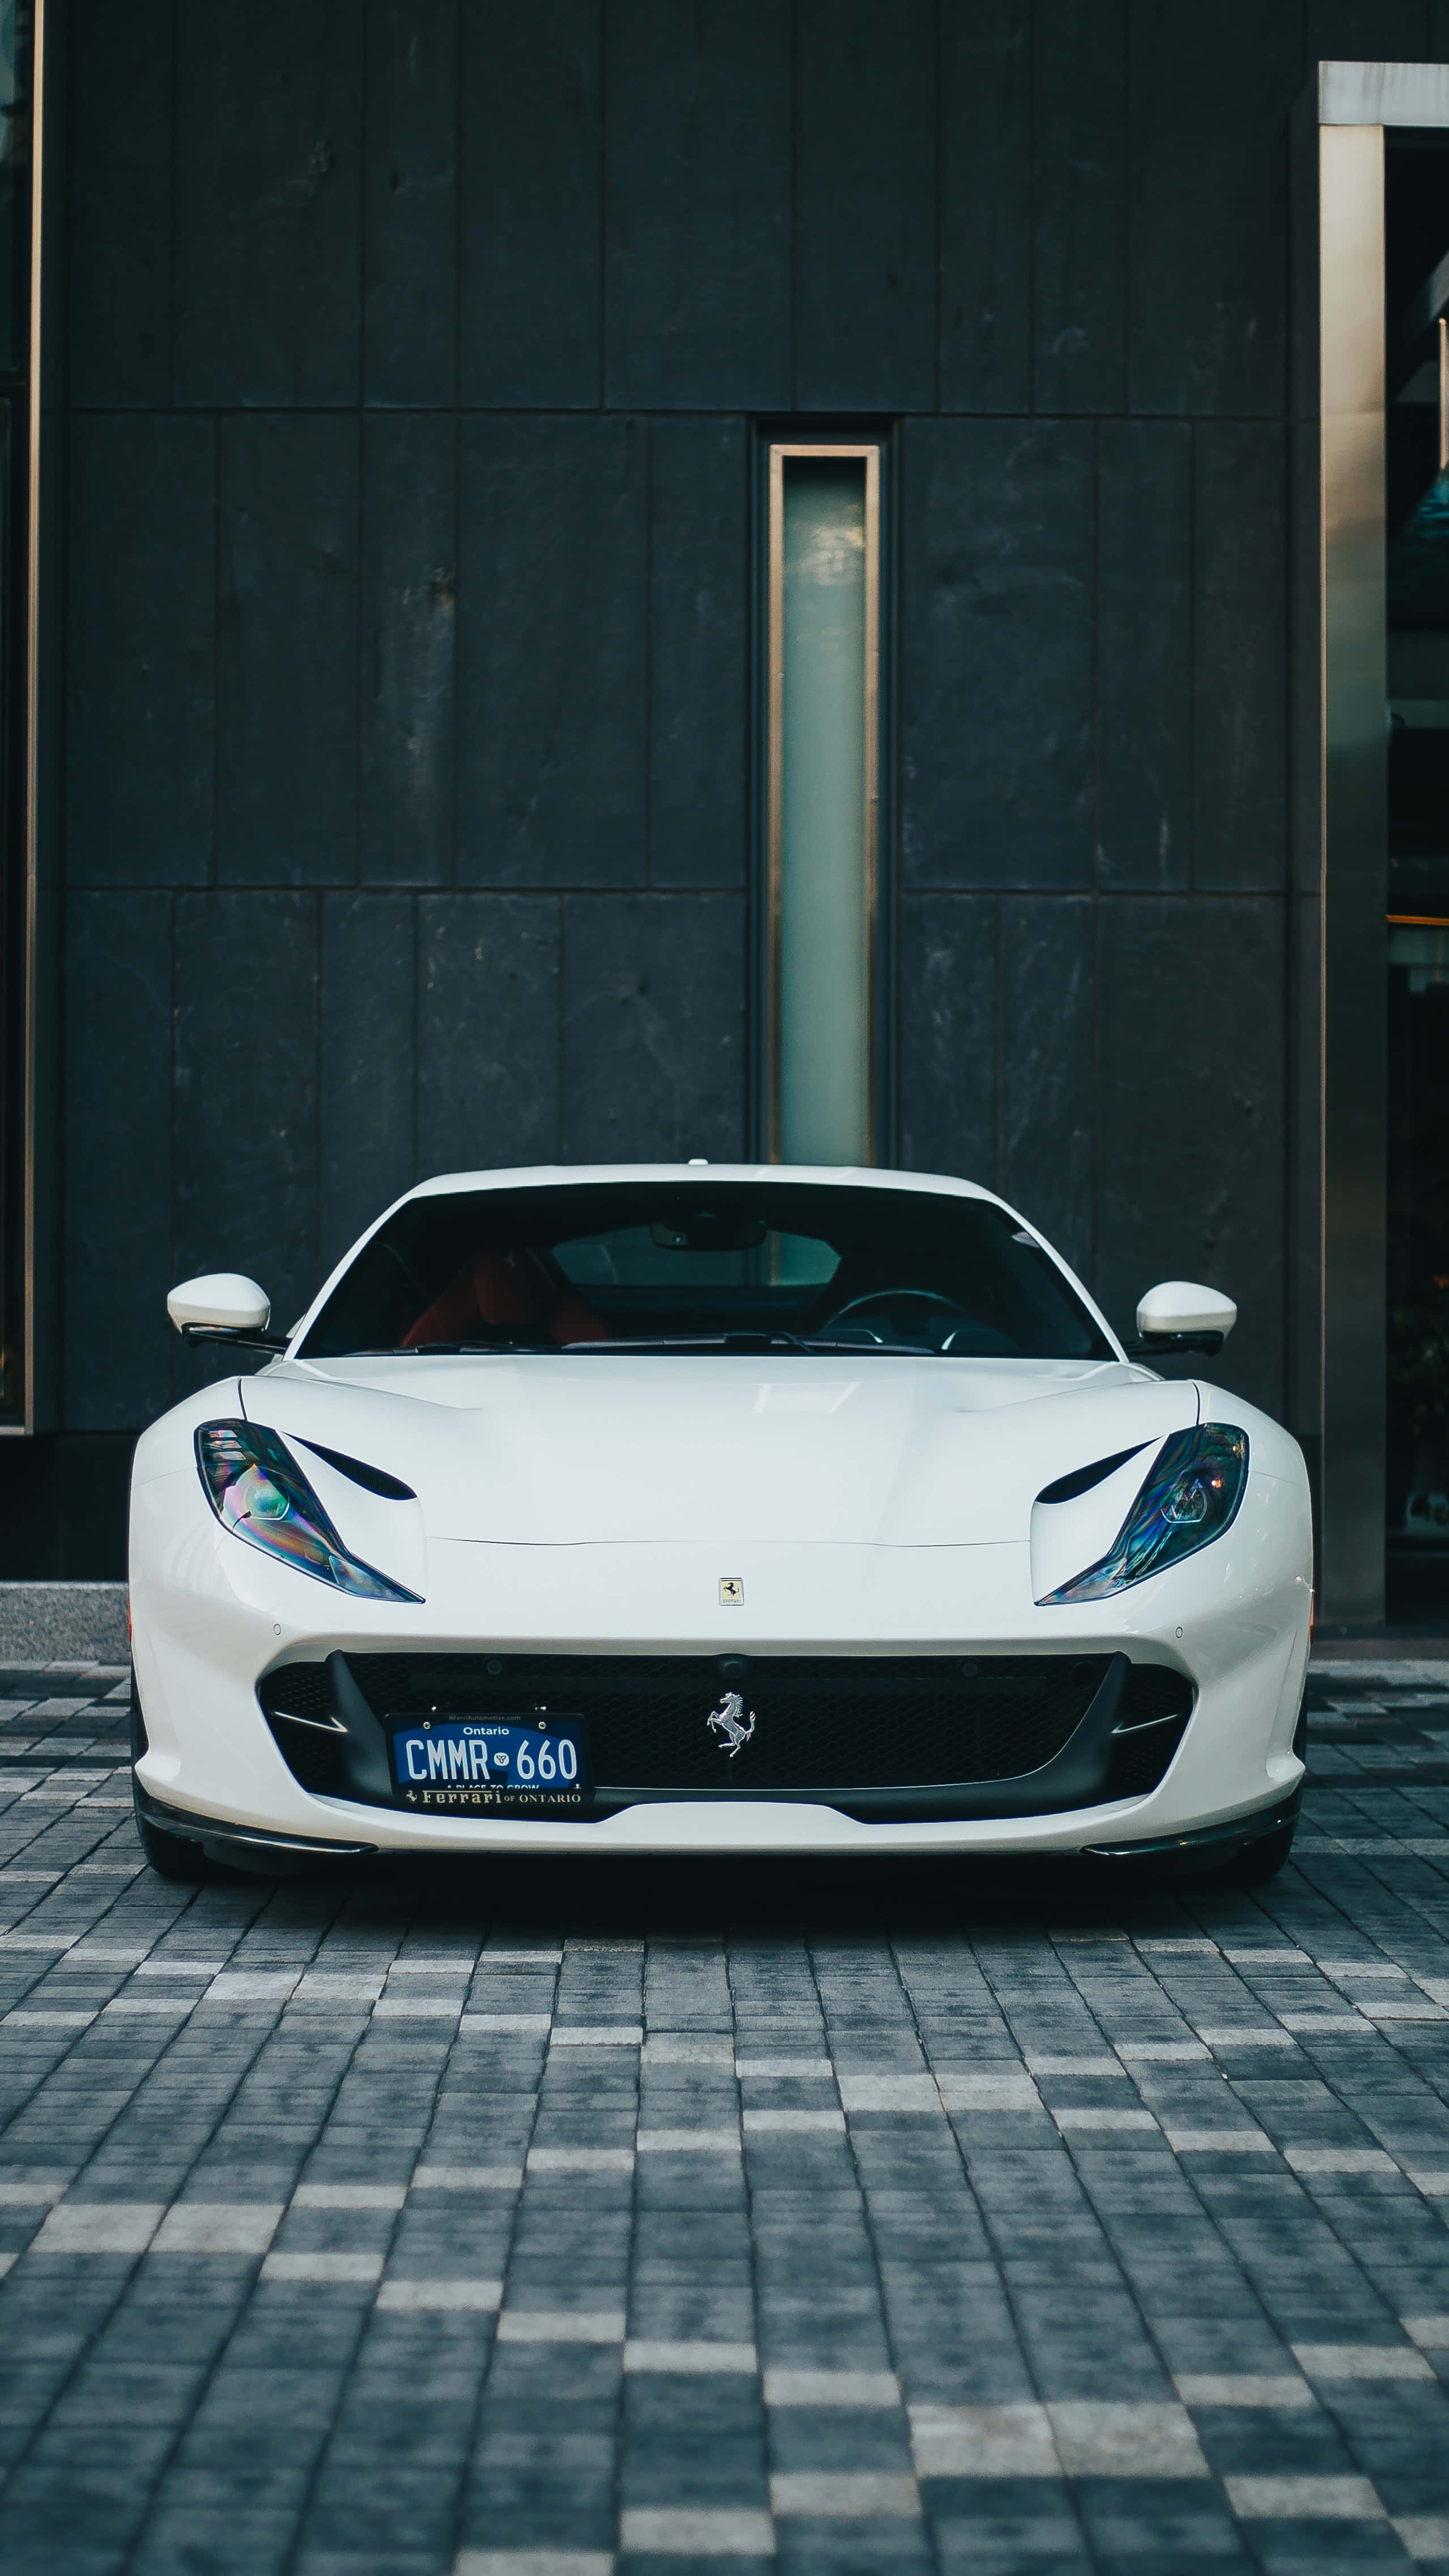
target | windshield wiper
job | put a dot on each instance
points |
(431, 1350)
(760, 1343)
(757, 1342)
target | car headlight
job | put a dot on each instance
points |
(257, 1491)
(1189, 1499)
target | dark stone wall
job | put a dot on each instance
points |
(415, 346)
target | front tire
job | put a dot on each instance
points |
(1259, 1861)
(172, 1856)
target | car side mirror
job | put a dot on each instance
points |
(1182, 1315)
(223, 1306)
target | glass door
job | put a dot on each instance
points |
(1416, 242)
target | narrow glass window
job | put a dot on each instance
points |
(823, 793)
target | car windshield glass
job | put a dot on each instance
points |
(659, 1261)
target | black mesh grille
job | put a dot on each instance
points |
(313, 1755)
(1139, 1759)
(311, 1751)
(821, 1722)
(824, 1724)
(302, 1689)
(1154, 1690)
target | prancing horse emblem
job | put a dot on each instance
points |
(727, 1720)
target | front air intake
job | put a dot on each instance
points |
(876, 1736)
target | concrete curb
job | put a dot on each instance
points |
(70, 1622)
(1390, 1646)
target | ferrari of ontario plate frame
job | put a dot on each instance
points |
(524, 1764)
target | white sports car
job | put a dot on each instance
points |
(665, 1508)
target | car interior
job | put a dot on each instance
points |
(584, 1267)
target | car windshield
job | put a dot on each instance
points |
(676, 1263)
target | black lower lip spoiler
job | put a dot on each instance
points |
(1241, 1830)
(216, 1835)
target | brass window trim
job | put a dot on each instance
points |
(32, 1336)
(867, 451)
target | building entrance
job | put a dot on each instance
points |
(1372, 848)
(1416, 248)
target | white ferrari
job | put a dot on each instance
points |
(732, 1508)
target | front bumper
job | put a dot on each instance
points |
(249, 1846)
(212, 1617)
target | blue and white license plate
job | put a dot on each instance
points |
(516, 1765)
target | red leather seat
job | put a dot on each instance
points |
(506, 1290)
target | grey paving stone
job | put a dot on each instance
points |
(1046, 2193)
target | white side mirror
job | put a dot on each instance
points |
(1182, 1306)
(223, 1298)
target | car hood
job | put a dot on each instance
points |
(895, 1451)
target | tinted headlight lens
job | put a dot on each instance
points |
(1189, 1499)
(257, 1491)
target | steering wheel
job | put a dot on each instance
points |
(894, 1296)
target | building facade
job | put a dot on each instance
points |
(415, 376)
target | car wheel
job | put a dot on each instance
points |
(172, 1855)
(1261, 1860)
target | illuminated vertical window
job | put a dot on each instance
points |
(824, 649)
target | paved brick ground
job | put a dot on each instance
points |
(548, 2224)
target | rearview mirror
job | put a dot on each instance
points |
(223, 1301)
(1182, 1315)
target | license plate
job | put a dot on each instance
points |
(514, 1765)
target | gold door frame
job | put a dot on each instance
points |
(31, 1336)
(868, 451)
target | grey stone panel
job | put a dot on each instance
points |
(699, 567)
(140, 672)
(117, 1159)
(268, 201)
(697, 205)
(1398, 31)
(118, 289)
(1047, 996)
(365, 1078)
(1240, 695)
(1191, 1114)
(997, 654)
(531, 175)
(409, 646)
(1208, 207)
(410, 206)
(246, 1090)
(605, 608)
(1079, 319)
(552, 659)
(287, 664)
(653, 1028)
(949, 1036)
(1144, 655)
(865, 206)
(487, 1031)
(985, 206)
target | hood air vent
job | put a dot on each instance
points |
(373, 1480)
(1082, 1479)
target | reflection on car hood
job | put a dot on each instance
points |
(895, 1450)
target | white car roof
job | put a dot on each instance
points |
(841, 1175)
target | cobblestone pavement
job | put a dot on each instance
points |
(551, 2223)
